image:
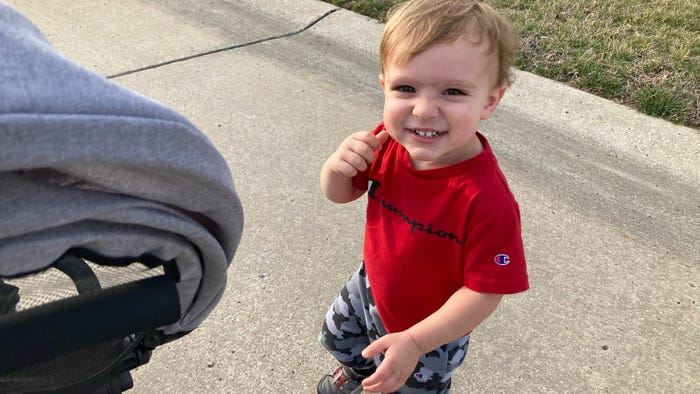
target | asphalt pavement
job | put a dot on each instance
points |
(609, 199)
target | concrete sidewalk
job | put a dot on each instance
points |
(609, 199)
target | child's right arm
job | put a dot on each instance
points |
(354, 155)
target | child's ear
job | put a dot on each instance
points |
(381, 80)
(492, 101)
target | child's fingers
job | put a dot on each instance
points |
(373, 381)
(382, 137)
(376, 141)
(358, 151)
(371, 384)
(345, 168)
(373, 349)
(363, 148)
(371, 141)
(382, 380)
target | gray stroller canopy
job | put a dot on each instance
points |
(88, 165)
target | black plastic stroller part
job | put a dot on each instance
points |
(46, 331)
(9, 297)
(87, 343)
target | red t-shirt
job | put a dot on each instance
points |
(430, 232)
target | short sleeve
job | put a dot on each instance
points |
(494, 254)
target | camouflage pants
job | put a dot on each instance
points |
(353, 322)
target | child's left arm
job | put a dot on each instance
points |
(462, 313)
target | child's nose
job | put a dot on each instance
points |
(425, 108)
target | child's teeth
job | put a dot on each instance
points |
(428, 134)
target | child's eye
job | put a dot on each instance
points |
(454, 92)
(405, 89)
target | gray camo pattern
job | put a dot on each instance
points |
(352, 323)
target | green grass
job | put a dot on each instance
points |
(641, 53)
(373, 8)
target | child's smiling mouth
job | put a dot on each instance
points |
(427, 133)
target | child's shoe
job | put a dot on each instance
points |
(341, 381)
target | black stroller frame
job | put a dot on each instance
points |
(97, 321)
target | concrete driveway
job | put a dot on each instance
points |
(609, 198)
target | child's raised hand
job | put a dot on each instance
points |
(401, 355)
(356, 152)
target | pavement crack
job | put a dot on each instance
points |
(228, 48)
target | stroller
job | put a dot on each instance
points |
(118, 222)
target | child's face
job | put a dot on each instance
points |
(433, 103)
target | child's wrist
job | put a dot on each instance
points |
(415, 342)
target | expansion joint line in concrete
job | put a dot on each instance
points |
(182, 59)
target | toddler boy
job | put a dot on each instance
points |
(442, 238)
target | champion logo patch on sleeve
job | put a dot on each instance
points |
(502, 259)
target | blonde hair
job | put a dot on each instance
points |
(416, 25)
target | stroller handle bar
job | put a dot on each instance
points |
(41, 333)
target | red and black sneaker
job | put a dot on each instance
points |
(341, 381)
